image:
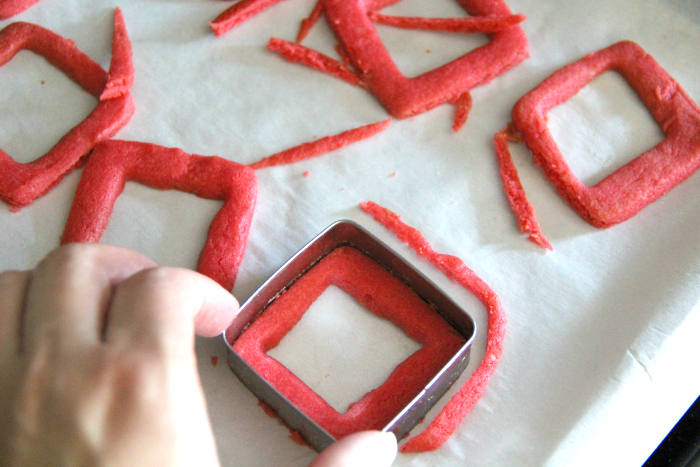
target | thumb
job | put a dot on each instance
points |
(363, 449)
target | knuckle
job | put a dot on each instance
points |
(162, 282)
(12, 278)
(68, 257)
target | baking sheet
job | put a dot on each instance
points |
(600, 351)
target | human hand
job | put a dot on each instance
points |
(97, 365)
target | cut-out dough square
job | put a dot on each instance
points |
(405, 97)
(21, 184)
(633, 186)
(381, 293)
(362, 342)
(113, 163)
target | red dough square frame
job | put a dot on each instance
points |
(20, 183)
(404, 97)
(633, 186)
(384, 295)
(113, 163)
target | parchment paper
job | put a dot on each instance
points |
(601, 349)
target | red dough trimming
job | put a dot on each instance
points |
(381, 293)
(113, 163)
(371, 66)
(452, 414)
(120, 77)
(638, 183)
(239, 12)
(321, 146)
(463, 105)
(20, 184)
(9, 8)
(293, 435)
(524, 211)
(297, 53)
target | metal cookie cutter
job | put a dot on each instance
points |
(347, 233)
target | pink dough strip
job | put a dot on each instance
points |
(321, 146)
(517, 198)
(452, 414)
(120, 77)
(239, 12)
(308, 23)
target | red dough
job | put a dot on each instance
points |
(9, 8)
(633, 186)
(322, 146)
(113, 163)
(446, 422)
(382, 294)
(405, 97)
(373, 67)
(20, 184)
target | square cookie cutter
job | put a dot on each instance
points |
(339, 234)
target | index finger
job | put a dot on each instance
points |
(161, 309)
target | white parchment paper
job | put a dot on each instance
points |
(601, 349)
